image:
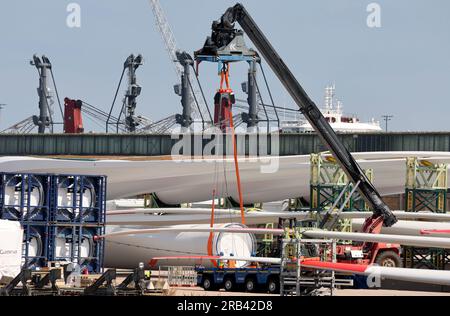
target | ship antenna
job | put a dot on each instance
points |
(339, 106)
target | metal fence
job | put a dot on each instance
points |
(182, 276)
(161, 145)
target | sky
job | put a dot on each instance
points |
(401, 69)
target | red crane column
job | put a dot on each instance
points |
(73, 121)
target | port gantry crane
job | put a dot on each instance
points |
(45, 120)
(224, 33)
(193, 99)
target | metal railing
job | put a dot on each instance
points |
(182, 276)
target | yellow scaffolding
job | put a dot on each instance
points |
(426, 186)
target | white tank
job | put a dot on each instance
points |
(34, 245)
(66, 248)
(63, 248)
(26, 191)
(128, 251)
(69, 200)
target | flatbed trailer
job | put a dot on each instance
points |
(262, 279)
(252, 279)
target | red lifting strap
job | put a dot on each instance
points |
(224, 78)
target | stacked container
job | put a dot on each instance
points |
(27, 198)
(78, 216)
(61, 215)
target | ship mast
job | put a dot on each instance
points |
(329, 97)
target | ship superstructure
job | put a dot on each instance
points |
(333, 112)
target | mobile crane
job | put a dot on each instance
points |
(225, 38)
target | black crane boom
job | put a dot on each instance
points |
(224, 32)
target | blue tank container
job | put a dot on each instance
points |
(78, 244)
(61, 215)
(79, 199)
(35, 249)
(25, 197)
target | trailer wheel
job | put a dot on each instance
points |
(208, 283)
(389, 259)
(250, 285)
(228, 284)
(273, 285)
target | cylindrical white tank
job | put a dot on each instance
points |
(35, 243)
(23, 195)
(128, 251)
(35, 248)
(72, 194)
(70, 246)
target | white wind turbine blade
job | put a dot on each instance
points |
(237, 230)
(400, 274)
(415, 241)
(223, 258)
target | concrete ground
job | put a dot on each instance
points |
(351, 292)
(197, 291)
